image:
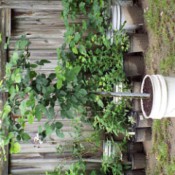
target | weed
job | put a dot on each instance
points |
(160, 58)
(167, 64)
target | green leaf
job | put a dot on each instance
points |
(71, 74)
(50, 113)
(15, 57)
(59, 84)
(84, 25)
(48, 129)
(30, 118)
(6, 110)
(82, 92)
(22, 43)
(31, 101)
(18, 78)
(16, 75)
(42, 62)
(23, 107)
(75, 50)
(58, 53)
(67, 113)
(100, 103)
(32, 74)
(93, 173)
(82, 6)
(59, 133)
(25, 137)
(58, 125)
(15, 148)
(77, 37)
(52, 76)
(33, 66)
(82, 50)
(39, 111)
(60, 76)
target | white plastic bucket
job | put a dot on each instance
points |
(111, 149)
(132, 15)
(116, 17)
(163, 104)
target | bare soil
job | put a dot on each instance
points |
(147, 103)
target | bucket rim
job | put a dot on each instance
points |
(159, 101)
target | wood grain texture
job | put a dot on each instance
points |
(3, 59)
(40, 21)
(39, 169)
(41, 44)
(32, 4)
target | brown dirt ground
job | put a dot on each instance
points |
(153, 68)
(151, 160)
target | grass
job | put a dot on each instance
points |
(160, 145)
(160, 58)
(160, 19)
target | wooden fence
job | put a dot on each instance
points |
(40, 21)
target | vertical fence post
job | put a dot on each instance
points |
(3, 58)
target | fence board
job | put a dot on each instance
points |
(3, 58)
(67, 126)
(50, 167)
(41, 44)
(40, 21)
(32, 4)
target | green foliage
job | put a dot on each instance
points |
(161, 141)
(99, 56)
(78, 168)
(96, 61)
(160, 21)
(33, 95)
(112, 160)
(89, 60)
(113, 120)
(111, 165)
(15, 147)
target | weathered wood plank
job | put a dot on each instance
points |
(68, 136)
(39, 169)
(40, 21)
(44, 22)
(38, 162)
(8, 22)
(41, 44)
(46, 150)
(39, 33)
(67, 126)
(52, 155)
(53, 21)
(36, 23)
(3, 58)
(32, 4)
(49, 66)
(40, 54)
(36, 14)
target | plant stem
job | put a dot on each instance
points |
(122, 94)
